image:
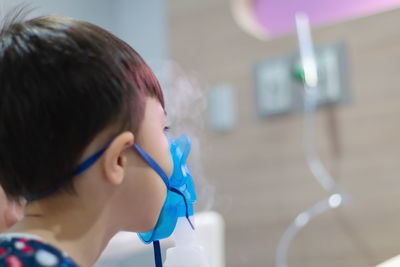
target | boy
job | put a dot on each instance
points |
(71, 91)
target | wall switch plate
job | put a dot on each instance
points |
(222, 108)
(274, 94)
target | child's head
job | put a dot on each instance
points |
(67, 87)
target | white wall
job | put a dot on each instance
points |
(141, 23)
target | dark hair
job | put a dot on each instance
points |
(62, 81)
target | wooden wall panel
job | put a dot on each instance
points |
(260, 170)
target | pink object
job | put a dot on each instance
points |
(13, 261)
(276, 17)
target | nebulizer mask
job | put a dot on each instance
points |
(177, 211)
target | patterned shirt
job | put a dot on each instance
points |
(24, 250)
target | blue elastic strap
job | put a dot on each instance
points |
(30, 198)
(91, 160)
(81, 168)
(157, 254)
(186, 205)
(153, 164)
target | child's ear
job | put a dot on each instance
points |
(115, 157)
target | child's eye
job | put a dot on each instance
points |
(166, 129)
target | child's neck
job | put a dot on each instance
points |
(72, 229)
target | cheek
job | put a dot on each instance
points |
(147, 199)
(169, 163)
(169, 166)
(164, 158)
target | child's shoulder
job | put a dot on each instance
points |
(20, 250)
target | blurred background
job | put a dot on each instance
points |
(229, 72)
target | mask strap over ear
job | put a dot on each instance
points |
(91, 160)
